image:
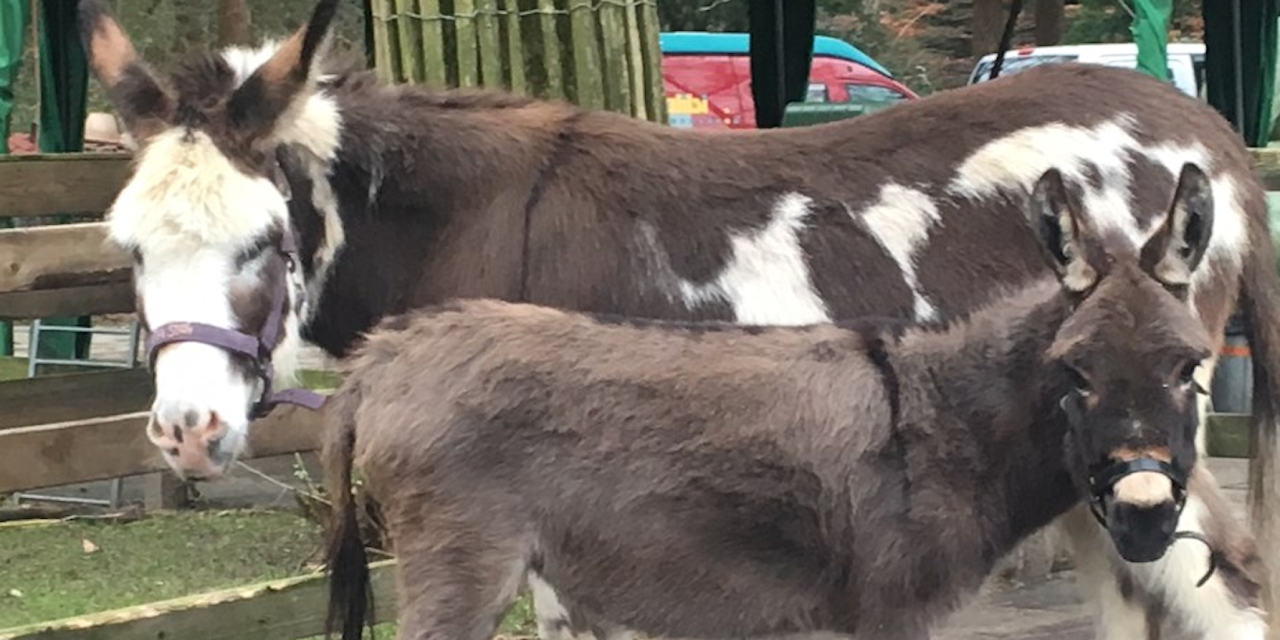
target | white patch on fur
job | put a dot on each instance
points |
(766, 280)
(900, 221)
(552, 617)
(190, 211)
(1144, 489)
(1015, 161)
(1210, 611)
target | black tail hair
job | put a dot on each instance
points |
(350, 593)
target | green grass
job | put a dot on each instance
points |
(45, 573)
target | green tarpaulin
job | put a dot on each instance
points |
(63, 85)
(1249, 34)
(14, 19)
(1150, 31)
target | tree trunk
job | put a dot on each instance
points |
(233, 22)
(988, 23)
(1050, 16)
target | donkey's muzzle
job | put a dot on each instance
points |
(1141, 532)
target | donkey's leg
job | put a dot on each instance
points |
(1228, 605)
(458, 585)
(1116, 613)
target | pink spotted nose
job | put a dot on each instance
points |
(191, 440)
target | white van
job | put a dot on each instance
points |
(1186, 61)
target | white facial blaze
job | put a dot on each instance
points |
(190, 212)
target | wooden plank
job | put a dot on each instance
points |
(57, 454)
(617, 82)
(55, 257)
(489, 38)
(465, 28)
(437, 66)
(586, 57)
(411, 70)
(116, 297)
(73, 183)
(78, 396)
(272, 610)
(552, 56)
(515, 47)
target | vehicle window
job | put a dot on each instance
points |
(817, 93)
(1014, 65)
(872, 93)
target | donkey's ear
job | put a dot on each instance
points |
(264, 96)
(1178, 246)
(1063, 232)
(139, 97)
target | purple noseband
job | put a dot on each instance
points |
(257, 348)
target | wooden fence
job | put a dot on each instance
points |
(599, 54)
(74, 428)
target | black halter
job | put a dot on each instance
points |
(1103, 478)
(258, 348)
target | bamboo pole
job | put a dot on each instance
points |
(635, 63)
(515, 46)
(655, 94)
(617, 85)
(586, 59)
(410, 52)
(436, 64)
(490, 41)
(552, 56)
(464, 14)
(384, 61)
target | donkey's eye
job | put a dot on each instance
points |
(1081, 383)
(1187, 375)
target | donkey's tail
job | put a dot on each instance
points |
(1260, 310)
(350, 595)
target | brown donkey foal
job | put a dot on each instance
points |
(698, 480)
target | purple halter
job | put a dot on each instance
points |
(257, 348)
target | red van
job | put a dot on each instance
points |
(707, 79)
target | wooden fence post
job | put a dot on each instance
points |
(600, 55)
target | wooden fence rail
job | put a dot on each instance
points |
(272, 610)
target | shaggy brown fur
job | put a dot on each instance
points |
(749, 482)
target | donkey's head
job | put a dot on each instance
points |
(205, 216)
(1128, 352)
